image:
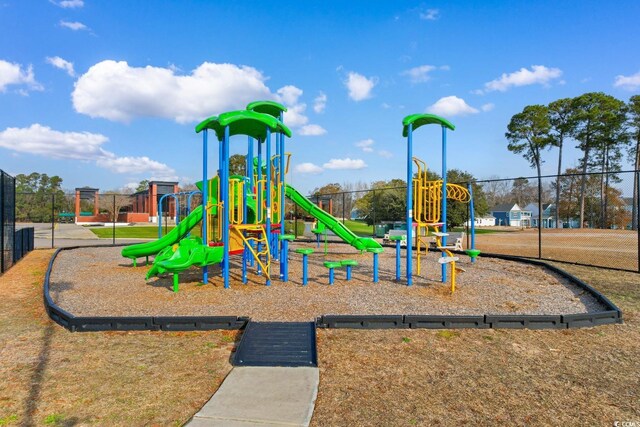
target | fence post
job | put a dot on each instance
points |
(53, 220)
(539, 217)
(295, 220)
(114, 220)
(636, 178)
(2, 197)
(343, 199)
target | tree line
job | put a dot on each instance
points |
(604, 128)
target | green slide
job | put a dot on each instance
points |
(333, 224)
(172, 237)
(190, 251)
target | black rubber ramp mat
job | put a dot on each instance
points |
(287, 344)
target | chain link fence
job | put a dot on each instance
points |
(14, 243)
(589, 219)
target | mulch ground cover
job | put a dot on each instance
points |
(99, 282)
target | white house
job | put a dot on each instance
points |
(485, 221)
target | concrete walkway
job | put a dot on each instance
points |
(257, 396)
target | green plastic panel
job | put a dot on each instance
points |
(243, 122)
(418, 120)
(271, 108)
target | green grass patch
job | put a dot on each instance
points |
(359, 227)
(446, 334)
(53, 419)
(134, 232)
(8, 420)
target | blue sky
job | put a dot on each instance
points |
(107, 93)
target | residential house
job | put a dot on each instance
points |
(485, 221)
(512, 215)
(548, 215)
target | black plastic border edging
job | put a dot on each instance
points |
(142, 323)
(611, 315)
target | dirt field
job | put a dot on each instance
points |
(487, 377)
(606, 248)
(49, 376)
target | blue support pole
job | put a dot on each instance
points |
(205, 193)
(472, 220)
(267, 223)
(444, 198)
(409, 203)
(285, 250)
(251, 182)
(305, 269)
(283, 256)
(375, 267)
(224, 189)
(275, 244)
(259, 212)
(397, 259)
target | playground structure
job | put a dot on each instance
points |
(427, 203)
(243, 215)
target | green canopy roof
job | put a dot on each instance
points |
(424, 119)
(267, 107)
(243, 122)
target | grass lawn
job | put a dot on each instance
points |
(49, 376)
(485, 230)
(359, 227)
(487, 377)
(132, 232)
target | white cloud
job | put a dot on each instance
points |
(359, 86)
(62, 64)
(83, 146)
(68, 4)
(312, 130)
(386, 154)
(308, 168)
(133, 165)
(430, 14)
(75, 26)
(119, 92)
(631, 82)
(450, 106)
(289, 94)
(488, 107)
(539, 74)
(366, 145)
(14, 74)
(320, 103)
(345, 164)
(419, 74)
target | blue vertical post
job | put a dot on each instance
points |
(283, 254)
(375, 267)
(260, 212)
(275, 244)
(285, 249)
(268, 193)
(224, 187)
(444, 198)
(205, 194)
(304, 269)
(398, 259)
(409, 202)
(472, 220)
(251, 182)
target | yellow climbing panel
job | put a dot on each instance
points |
(427, 206)
(254, 236)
